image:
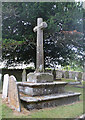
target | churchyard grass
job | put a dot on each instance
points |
(0, 108)
(66, 111)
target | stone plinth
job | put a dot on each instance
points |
(39, 77)
(53, 100)
(36, 89)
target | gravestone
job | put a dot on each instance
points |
(24, 76)
(0, 82)
(5, 86)
(13, 94)
(79, 78)
(66, 74)
(39, 75)
(58, 74)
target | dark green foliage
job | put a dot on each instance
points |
(19, 40)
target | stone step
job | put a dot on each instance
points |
(53, 100)
(36, 89)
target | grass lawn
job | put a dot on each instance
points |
(0, 108)
(66, 111)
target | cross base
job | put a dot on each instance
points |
(39, 77)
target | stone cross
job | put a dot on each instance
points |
(40, 55)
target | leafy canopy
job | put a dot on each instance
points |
(19, 40)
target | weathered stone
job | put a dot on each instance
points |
(58, 74)
(37, 89)
(66, 74)
(24, 76)
(71, 75)
(40, 91)
(49, 100)
(40, 56)
(39, 77)
(79, 76)
(5, 86)
(13, 94)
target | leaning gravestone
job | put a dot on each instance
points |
(24, 76)
(13, 94)
(0, 82)
(5, 86)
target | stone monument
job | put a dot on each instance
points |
(39, 75)
(40, 91)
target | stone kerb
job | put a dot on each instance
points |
(5, 86)
(13, 94)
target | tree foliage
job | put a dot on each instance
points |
(19, 40)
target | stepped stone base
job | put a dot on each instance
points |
(40, 102)
(39, 77)
(43, 95)
(36, 89)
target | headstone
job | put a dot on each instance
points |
(79, 78)
(13, 94)
(5, 86)
(66, 74)
(75, 78)
(24, 76)
(40, 56)
(58, 74)
(0, 82)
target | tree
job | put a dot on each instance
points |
(19, 40)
